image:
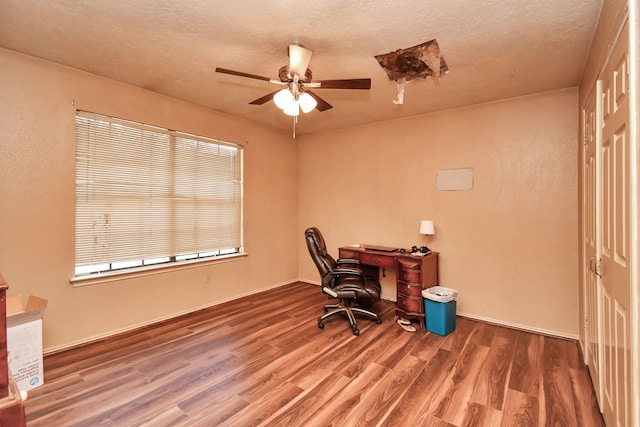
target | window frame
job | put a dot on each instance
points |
(141, 265)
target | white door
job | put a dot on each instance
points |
(614, 244)
(590, 230)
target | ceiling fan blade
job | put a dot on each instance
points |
(241, 74)
(322, 104)
(268, 97)
(299, 58)
(343, 84)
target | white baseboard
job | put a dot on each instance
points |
(519, 326)
(93, 338)
(493, 321)
(56, 349)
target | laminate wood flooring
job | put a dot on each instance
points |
(261, 360)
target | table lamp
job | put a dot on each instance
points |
(426, 228)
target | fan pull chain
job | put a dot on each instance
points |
(295, 121)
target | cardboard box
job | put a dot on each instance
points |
(440, 317)
(24, 340)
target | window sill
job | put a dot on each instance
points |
(113, 276)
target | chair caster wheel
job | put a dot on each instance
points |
(356, 332)
(378, 321)
(320, 325)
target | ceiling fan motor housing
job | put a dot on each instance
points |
(286, 75)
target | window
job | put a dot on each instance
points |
(150, 196)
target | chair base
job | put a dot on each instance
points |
(346, 307)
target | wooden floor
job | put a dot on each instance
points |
(261, 360)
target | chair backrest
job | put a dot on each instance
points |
(318, 251)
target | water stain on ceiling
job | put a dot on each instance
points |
(417, 62)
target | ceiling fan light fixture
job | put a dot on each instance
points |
(283, 98)
(292, 109)
(307, 103)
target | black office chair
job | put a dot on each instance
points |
(349, 285)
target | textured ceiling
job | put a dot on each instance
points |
(493, 48)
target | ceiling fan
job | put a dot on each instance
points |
(297, 79)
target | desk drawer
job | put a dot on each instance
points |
(379, 260)
(409, 263)
(410, 304)
(409, 289)
(348, 254)
(412, 276)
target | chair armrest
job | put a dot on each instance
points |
(348, 261)
(340, 294)
(350, 272)
(327, 290)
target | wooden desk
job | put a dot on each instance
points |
(413, 274)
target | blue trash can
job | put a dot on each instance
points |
(440, 309)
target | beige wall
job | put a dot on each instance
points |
(510, 245)
(37, 202)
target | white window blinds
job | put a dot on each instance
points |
(146, 195)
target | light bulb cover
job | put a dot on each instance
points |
(307, 102)
(292, 109)
(283, 98)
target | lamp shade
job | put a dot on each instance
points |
(426, 227)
